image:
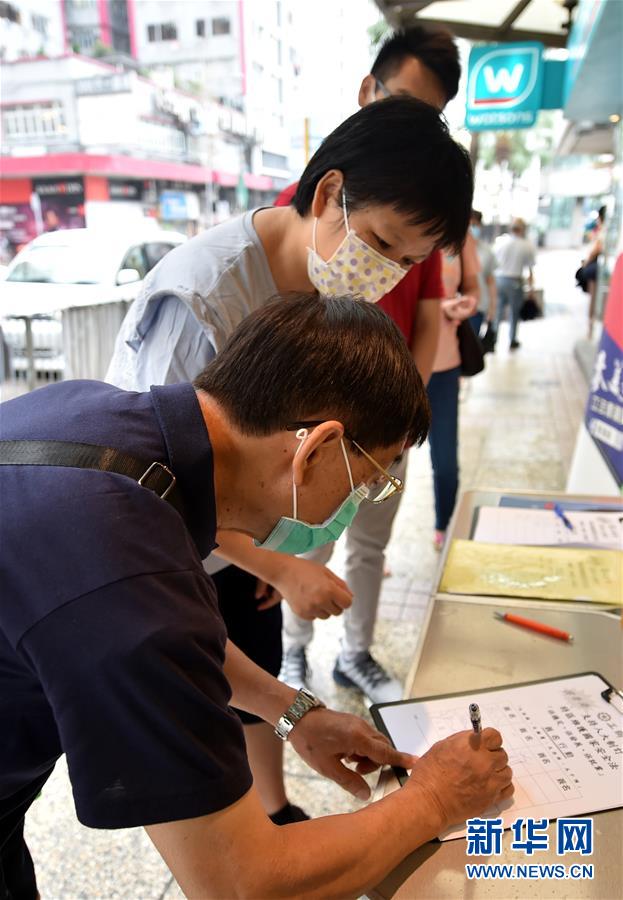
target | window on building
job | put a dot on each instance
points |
(161, 140)
(275, 44)
(221, 25)
(200, 27)
(40, 24)
(163, 31)
(10, 12)
(561, 212)
(87, 38)
(34, 120)
(274, 160)
(276, 90)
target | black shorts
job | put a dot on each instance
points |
(258, 634)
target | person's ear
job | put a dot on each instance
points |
(314, 447)
(367, 91)
(328, 189)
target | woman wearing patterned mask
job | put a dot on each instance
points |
(384, 189)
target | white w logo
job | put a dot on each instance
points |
(503, 80)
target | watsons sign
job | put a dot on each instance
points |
(504, 86)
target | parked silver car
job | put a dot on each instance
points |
(60, 270)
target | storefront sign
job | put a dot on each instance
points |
(17, 226)
(58, 204)
(179, 206)
(604, 410)
(504, 86)
(125, 190)
(119, 83)
(73, 187)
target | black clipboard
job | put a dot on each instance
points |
(609, 694)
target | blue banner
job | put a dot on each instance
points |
(604, 410)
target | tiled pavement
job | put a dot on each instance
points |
(518, 425)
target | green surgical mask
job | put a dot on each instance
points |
(291, 535)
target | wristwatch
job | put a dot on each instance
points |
(303, 702)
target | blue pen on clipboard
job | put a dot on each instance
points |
(559, 511)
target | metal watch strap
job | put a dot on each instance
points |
(303, 702)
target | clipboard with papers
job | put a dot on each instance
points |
(551, 547)
(543, 527)
(564, 738)
(533, 572)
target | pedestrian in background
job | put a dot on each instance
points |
(514, 254)
(486, 278)
(460, 281)
(586, 275)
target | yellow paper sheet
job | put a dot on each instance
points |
(551, 573)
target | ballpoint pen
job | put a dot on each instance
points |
(474, 715)
(541, 627)
(559, 511)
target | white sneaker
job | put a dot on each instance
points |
(369, 677)
(294, 668)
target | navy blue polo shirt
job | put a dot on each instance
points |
(111, 642)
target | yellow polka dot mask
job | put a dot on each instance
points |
(355, 268)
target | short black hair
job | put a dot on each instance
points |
(476, 214)
(398, 152)
(433, 46)
(307, 356)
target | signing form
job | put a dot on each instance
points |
(592, 528)
(564, 739)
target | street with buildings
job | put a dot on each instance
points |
(130, 127)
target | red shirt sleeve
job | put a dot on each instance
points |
(431, 284)
(422, 282)
(285, 197)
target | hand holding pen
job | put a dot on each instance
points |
(466, 774)
(474, 715)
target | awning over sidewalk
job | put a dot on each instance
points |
(494, 21)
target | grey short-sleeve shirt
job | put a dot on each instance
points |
(190, 304)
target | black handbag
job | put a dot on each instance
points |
(470, 349)
(529, 309)
(489, 338)
(580, 279)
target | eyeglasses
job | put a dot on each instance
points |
(380, 491)
(381, 87)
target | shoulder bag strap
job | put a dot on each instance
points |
(154, 476)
